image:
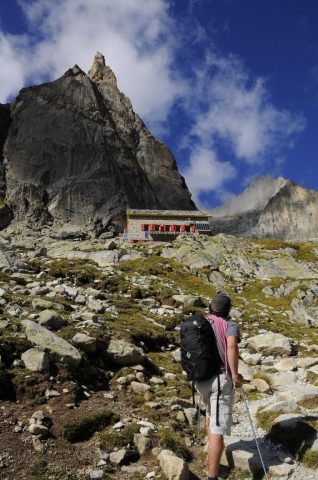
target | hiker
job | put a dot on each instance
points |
(218, 391)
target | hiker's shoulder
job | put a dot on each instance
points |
(232, 329)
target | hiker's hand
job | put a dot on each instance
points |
(238, 379)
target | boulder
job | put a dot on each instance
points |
(271, 344)
(282, 470)
(85, 342)
(118, 457)
(124, 353)
(242, 454)
(59, 349)
(51, 320)
(176, 354)
(260, 385)
(138, 387)
(307, 362)
(142, 443)
(95, 306)
(298, 393)
(251, 358)
(246, 371)
(35, 360)
(38, 429)
(292, 430)
(173, 467)
(286, 364)
(282, 380)
(191, 300)
(284, 406)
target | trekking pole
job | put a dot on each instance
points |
(254, 431)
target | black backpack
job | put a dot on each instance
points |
(199, 353)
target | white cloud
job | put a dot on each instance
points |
(225, 104)
(134, 37)
(205, 173)
(239, 112)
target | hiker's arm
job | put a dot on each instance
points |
(233, 359)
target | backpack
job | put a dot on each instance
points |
(199, 353)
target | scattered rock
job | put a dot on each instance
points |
(139, 387)
(36, 360)
(271, 344)
(173, 467)
(118, 457)
(124, 353)
(85, 342)
(260, 385)
(51, 319)
(59, 349)
(142, 443)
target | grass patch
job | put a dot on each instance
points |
(110, 440)
(265, 420)
(310, 459)
(80, 272)
(263, 376)
(170, 271)
(239, 475)
(85, 428)
(39, 470)
(172, 441)
(310, 403)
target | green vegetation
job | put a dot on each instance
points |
(2, 202)
(39, 469)
(304, 251)
(263, 376)
(110, 440)
(82, 272)
(86, 427)
(172, 441)
(310, 403)
(265, 420)
(170, 271)
(240, 475)
(310, 458)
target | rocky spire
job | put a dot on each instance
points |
(100, 72)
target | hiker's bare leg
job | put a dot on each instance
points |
(215, 449)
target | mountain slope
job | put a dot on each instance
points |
(76, 152)
(273, 208)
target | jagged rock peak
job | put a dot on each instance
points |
(100, 72)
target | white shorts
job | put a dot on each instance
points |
(219, 407)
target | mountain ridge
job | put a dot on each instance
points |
(289, 213)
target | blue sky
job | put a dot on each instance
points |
(230, 85)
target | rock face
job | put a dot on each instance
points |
(273, 208)
(5, 121)
(77, 152)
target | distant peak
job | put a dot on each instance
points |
(100, 72)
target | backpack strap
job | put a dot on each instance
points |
(218, 403)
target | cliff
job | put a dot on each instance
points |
(77, 152)
(272, 208)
